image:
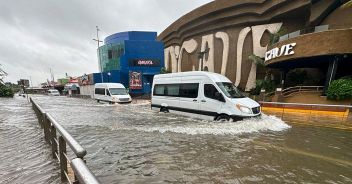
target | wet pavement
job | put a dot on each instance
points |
(130, 143)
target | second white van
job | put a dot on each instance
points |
(203, 95)
(111, 92)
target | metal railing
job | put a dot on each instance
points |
(297, 89)
(318, 114)
(58, 148)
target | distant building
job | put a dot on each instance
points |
(23, 82)
(131, 58)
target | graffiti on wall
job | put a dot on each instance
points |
(173, 54)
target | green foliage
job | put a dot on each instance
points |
(340, 89)
(256, 59)
(268, 85)
(163, 70)
(347, 4)
(274, 37)
(6, 91)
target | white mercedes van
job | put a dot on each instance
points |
(203, 95)
(111, 92)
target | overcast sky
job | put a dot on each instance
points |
(39, 35)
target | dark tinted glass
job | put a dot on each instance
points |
(159, 90)
(100, 91)
(177, 90)
(209, 91)
(172, 90)
(189, 90)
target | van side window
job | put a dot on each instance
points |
(159, 90)
(209, 91)
(100, 91)
(107, 92)
(172, 90)
(189, 90)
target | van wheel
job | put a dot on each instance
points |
(164, 109)
(222, 117)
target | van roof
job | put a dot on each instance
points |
(116, 85)
(213, 76)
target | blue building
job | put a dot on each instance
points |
(131, 58)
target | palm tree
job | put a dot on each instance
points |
(347, 4)
(3, 74)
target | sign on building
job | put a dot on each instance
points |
(135, 79)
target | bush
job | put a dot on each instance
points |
(269, 86)
(340, 89)
(6, 91)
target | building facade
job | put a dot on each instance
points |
(224, 36)
(131, 58)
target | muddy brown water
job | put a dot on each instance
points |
(130, 143)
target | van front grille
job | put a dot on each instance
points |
(124, 99)
(256, 110)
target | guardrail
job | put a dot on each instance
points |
(58, 148)
(339, 116)
(297, 89)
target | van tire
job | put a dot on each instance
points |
(222, 117)
(164, 109)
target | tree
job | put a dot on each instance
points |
(163, 70)
(3, 74)
(275, 37)
(347, 4)
(256, 59)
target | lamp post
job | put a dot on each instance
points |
(201, 57)
(99, 59)
(109, 76)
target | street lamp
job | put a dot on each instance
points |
(201, 57)
(99, 58)
(109, 76)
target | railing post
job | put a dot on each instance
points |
(46, 127)
(53, 141)
(63, 160)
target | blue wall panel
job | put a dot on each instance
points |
(138, 46)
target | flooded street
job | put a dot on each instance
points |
(24, 155)
(130, 143)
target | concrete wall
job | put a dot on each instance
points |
(87, 90)
(233, 30)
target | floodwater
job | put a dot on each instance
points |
(130, 143)
(24, 155)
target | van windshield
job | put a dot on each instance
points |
(230, 90)
(118, 91)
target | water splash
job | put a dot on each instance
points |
(265, 123)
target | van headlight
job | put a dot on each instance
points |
(244, 109)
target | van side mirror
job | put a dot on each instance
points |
(219, 97)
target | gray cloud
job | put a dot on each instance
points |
(41, 34)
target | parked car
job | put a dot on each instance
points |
(53, 92)
(112, 93)
(204, 95)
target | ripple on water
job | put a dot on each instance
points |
(130, 143)
(25, 157)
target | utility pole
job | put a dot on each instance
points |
(99, 59)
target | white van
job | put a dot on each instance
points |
(111, 92)
(53, 92)
(203, 95)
